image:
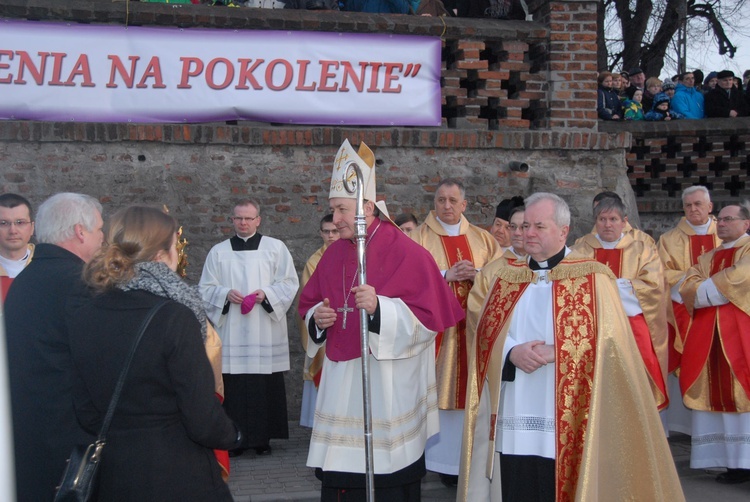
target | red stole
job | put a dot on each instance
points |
(5, 283)
(646, 348)
(611, 258)
(575, 315)
(699, 244)
(457, 248)
(719, 339)
(501, 302)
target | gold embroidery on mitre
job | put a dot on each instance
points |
(575, 333)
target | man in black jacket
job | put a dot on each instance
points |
(45, 428)
(725, 100)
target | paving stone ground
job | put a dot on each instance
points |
(283, 475)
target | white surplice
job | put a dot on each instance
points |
(256, 343)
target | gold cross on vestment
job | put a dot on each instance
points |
(345, 309)
(575, 319)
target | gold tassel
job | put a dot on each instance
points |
(579, 268)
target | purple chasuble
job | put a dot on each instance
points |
(397, 267)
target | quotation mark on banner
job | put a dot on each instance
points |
(412, 67)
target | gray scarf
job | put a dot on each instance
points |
(156, 277)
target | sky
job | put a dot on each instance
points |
(702, 50)
(709, 59)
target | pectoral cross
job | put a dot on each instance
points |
(345, 309)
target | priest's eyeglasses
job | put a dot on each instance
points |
(244, 218)
(729, 219)
(9, 223)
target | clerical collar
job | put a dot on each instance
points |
(549, 263)
(451, 230)
(609, 245)
(517, 255)
(700, 229)
(245, 238)
(245, 243)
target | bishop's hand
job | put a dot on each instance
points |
(365, 298)
(324, 315)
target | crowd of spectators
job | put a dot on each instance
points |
(495, 9)
(634, 96)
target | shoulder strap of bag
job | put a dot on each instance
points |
(124, 372)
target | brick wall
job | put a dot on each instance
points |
(495, 74)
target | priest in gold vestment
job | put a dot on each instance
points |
(714, 378)
(460, 249)
(636, 233)
(516, 250)
(311, 370)
(679, 250)
(558, 405)
(640, 282)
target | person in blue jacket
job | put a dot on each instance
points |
(688, 100)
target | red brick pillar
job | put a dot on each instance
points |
(571, 62)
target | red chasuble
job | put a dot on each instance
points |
(457, 248)
(397, 267)
(719, 339)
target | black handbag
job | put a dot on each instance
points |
(78, 483)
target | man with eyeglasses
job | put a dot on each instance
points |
(679, 249)
(248, 284)
(16, 229)
(311, 371)
(714, 378)
(687, 99)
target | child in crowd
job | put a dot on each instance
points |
(668, 88)
(660, 110)
(632, 106)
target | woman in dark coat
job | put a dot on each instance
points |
(159, 446)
